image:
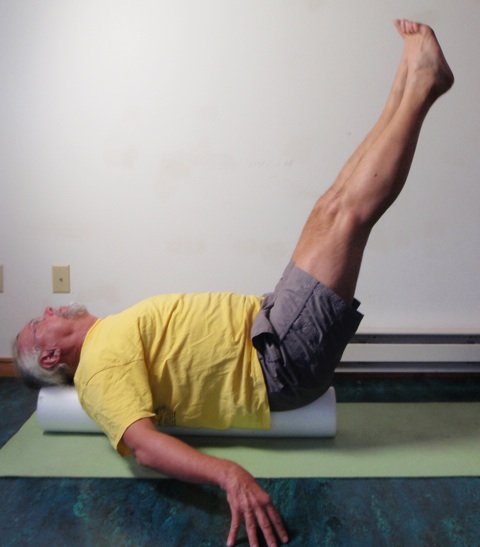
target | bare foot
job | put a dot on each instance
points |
(428, 70)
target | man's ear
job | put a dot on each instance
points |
(50, 358)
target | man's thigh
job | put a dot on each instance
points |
(300, 334)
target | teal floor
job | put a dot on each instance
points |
(343, 512)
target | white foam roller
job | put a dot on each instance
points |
(59, 410)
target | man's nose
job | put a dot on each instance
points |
(48, 311)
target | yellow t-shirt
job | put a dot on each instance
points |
(183, 359)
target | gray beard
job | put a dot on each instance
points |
(73, 311)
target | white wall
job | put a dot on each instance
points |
(178, 145)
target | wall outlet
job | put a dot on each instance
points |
(61, 279)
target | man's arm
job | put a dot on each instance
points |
(172, 457)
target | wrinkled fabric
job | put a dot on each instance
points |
(300, 334)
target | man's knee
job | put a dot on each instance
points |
(335, 220)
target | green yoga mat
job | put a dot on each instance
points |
(373, 440)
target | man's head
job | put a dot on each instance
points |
(47, 350)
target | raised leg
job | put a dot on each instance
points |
(333, 240)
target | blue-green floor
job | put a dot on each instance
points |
(345, 512)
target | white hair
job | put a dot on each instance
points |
(28, 365)
(28, 362)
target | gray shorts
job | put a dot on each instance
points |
(300, 334)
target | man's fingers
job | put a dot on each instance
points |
(252, 506)
(267, 519)
(234, 527)
(251, 528)
(270, 523)
(277, 522)
(266, 527)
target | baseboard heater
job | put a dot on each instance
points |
(411, 354)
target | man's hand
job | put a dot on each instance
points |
(253, 506)
(248, 502)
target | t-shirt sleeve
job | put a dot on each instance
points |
(117, 397)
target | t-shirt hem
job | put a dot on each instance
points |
(117, 441)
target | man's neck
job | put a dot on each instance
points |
(84, 324)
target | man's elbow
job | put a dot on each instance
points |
(143, 457)
(137, 439)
